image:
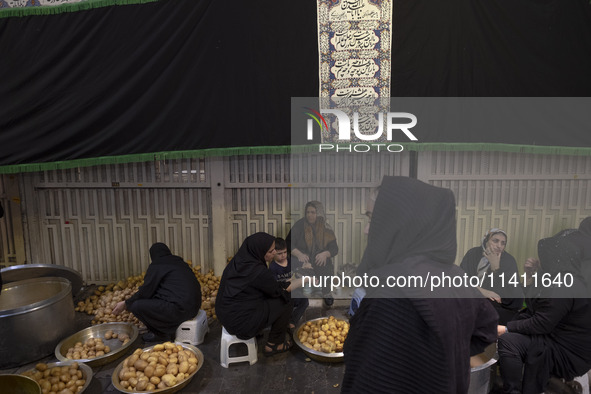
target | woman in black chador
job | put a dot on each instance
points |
(496, 269)
(169, 296)
(250, 298)
(413, 339)
(552, 336)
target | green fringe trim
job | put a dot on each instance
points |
(496, 147)
(287, 149)
(84, 5)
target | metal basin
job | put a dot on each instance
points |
(17, 384)
(118, 349)
(480, 373)
(169, 390)
(317, 355)
(29, 271)
(35, 314)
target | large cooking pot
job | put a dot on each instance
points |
(35, 314)
(16, 273)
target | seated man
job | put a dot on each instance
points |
(169, 296)
(281, 269)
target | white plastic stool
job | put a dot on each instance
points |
(229, 340)
(193, 331)
(584, 381)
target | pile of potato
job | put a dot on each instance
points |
(123, 337)
(105, 298)
(92, 348)
(163, 366)
(58, 380)
(324, 335)
(103, 301)
(209, 290)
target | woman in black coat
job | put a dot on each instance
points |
(498, 272)
(553, 335)
(250, 298)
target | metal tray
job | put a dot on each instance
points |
(86, 371)
(29, 271)
(169, 390)
(118, 349)
(336, 357)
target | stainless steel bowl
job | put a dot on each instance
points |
(336, 357)
(35, 314)
(86, 372)
(29, 271)
(118, 349)
(169, 390)
(17, 384)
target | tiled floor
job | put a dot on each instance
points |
(290, 372)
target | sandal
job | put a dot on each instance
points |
(287, 344)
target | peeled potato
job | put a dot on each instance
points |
(325, 335)
(163, 366)
(61, 380)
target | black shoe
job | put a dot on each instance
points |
(328, 300)
(151, 337)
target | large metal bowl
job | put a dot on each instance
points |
(169, 390)
(118, 349)
(86, 371)
(35, 314)
(18, 384)
(336, 357)
(29, 271)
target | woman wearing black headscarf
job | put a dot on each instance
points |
(313, 244)
(553, 335)
(169, 296)
(497, 269)
(250, 298)
(582, 240)
(411, 339)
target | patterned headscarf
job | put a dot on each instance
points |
(490, 233)
(484, 264)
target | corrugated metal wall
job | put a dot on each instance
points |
(102, 220)
(12, 248)
(529, 196)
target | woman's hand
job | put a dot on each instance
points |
(501, 330)
(294, 284)
(491, 295)
(493, 258)
(304, 258)
(120, 307)
(321, 258)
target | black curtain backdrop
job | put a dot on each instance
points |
(195, 74)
